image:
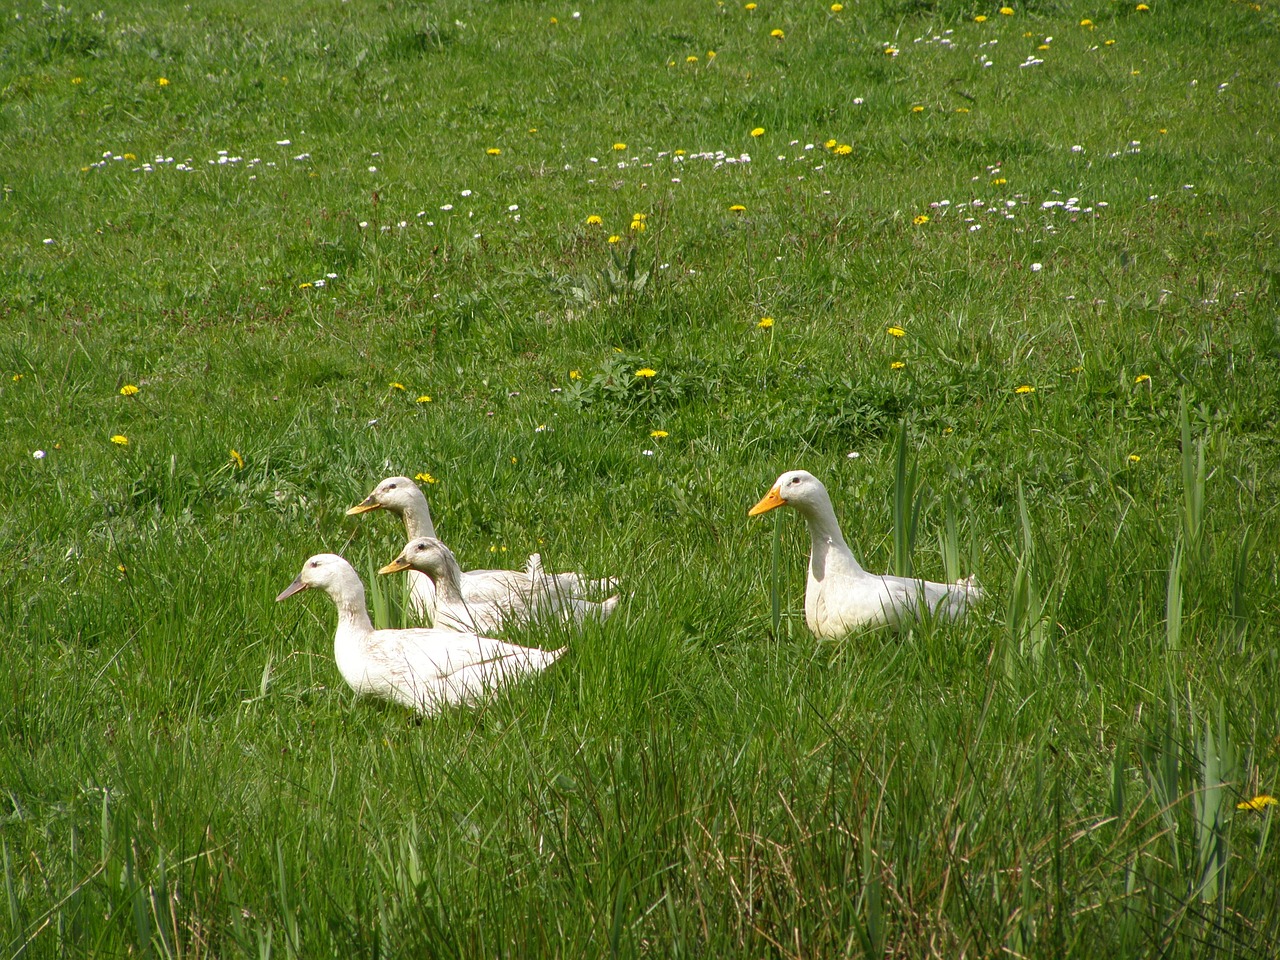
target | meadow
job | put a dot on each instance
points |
(595, 274)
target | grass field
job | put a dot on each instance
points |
(256, 257)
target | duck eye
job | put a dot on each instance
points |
(391, 486)
(795, 480)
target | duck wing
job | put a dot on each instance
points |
(495, 586)
(905, 597)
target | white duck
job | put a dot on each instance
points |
(402, 496)
(842, 597)
(530, 597)
(424, 669)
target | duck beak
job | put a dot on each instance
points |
(771, 499)
(291, 589)
(396, 565)
(365, 505)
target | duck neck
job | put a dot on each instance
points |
(827, 547)
(448, 579)
(348, 597)
(417, 518)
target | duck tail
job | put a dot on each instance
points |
(608, 605)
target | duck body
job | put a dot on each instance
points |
(840, 596)
(423, 669)
(528, 597)
(402, 496)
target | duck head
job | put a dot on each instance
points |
(424, 554)
(328, 571)
(396, 494)
(795, 488)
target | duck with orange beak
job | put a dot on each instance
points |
(840, 596)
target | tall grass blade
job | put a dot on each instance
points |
(1193, 481)
(379, 600)
(1241, 605)
(949, 539)
(1173, 602)
(903, 500)
(775, 585)
(16, 946)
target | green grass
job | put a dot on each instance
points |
(183, 771)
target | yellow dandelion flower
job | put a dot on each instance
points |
(837, 8)
(162, 81)
(304, 286)
(999, 182)
(895, 331)
(679, 153)
(646, 372)
(1025, 388)
(554, 21)
(77, 81)
(749, 6)
(594, 221)
(917, 109)
(737, 208)
(776, 33)
(120, 567)
(691, 59)
(120, 440)
(1142, 378)
(711, 54)
(1134, 458)
(394, 385)
(424, 477)
(659, 434)
(1258, 803)
(890, 51)
(1162, 131)
(236, 458)
(131, 156)
(843, 150)
(17, 377)
(619, 146)
(1043, 46)
(533, 129)
(128, 390)
(897, 365)
(575, 374)
(830, 144)
(980, 18)
(513, 460)
(639, 216)
(1006, 11)
(1077, 369)
(920, 219)
(765, 323)
(637, 226)
(424, 399)
(1108, 43)
(962, 109)
(615, 239)
(1086, 22)
(1142, 8)
(758, 132)
(494, 151)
